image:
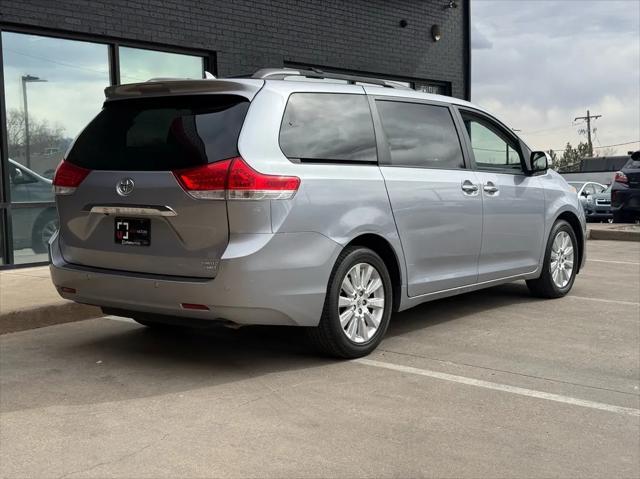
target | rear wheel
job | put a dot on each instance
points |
(357, 307)
(560, 263)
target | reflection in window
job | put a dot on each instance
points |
(421, 136)
(490, 150)
(138, 65)
(327, 126)
(53, 87)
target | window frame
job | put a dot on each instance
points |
(209, 63)
(384, 151)
(320, 161)
(501, 131)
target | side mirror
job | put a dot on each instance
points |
(540, 161)
(635, 156)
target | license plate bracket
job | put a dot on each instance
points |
(132, 231)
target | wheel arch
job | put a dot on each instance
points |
(576, 226)
(388, 254)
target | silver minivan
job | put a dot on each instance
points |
(303, 198)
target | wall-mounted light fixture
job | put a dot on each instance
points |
(403, 23)
(451, 4)
(436, 33)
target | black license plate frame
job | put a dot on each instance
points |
(132, 231)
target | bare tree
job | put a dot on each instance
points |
(42, 134)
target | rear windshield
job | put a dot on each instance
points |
(157, 134)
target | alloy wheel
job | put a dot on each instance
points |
(361, 303)
(562, 255)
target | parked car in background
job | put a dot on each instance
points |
(625, 192)
(595, 199)
(32, 226)
(586, 188)
(327, 204)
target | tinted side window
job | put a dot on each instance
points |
(328, 127)
(420, 135)
(490, 149)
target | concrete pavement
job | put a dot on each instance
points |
(29, 300)
(109, 398)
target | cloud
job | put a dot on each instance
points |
(551, 61)
(478, 40)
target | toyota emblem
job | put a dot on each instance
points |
(125, 186)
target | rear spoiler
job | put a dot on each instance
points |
(243, 87)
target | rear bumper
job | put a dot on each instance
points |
(275, 279)
(627, 199)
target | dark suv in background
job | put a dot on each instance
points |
(625, 192)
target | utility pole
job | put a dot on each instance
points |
(588, 118)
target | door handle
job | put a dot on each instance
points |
(469, 188)
(490, 187)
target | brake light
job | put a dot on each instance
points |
(245, 183)
(68, 177)
(205, 182)
(621, 178)
(234, 179)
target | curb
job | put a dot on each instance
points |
(613, 235)
(49, 315)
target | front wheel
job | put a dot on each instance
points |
(560, 263)
(357, 307)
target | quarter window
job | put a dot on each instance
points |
(490, 149)
(422, 136)
(328, 127)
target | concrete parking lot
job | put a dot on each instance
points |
(490, 384)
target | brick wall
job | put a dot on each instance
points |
(361, 35)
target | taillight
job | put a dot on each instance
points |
(234, 179)
(621, 177)
(68, 177)
(205, 182)
(245, 183)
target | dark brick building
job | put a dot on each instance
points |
(57, 57)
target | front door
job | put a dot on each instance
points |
(513, 202)
(434, 196)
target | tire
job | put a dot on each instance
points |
(357, 336)
(546, 286)
(44, 228)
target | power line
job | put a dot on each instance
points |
(551, 128)
(598, 147)
(588, 118)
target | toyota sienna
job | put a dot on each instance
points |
(303, 198)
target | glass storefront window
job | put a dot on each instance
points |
(53, 87)
(138, 65)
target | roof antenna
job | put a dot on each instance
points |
(209, 75)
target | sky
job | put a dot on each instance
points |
(76, 74)
(539, 64)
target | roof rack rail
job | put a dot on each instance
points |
(282, 73)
